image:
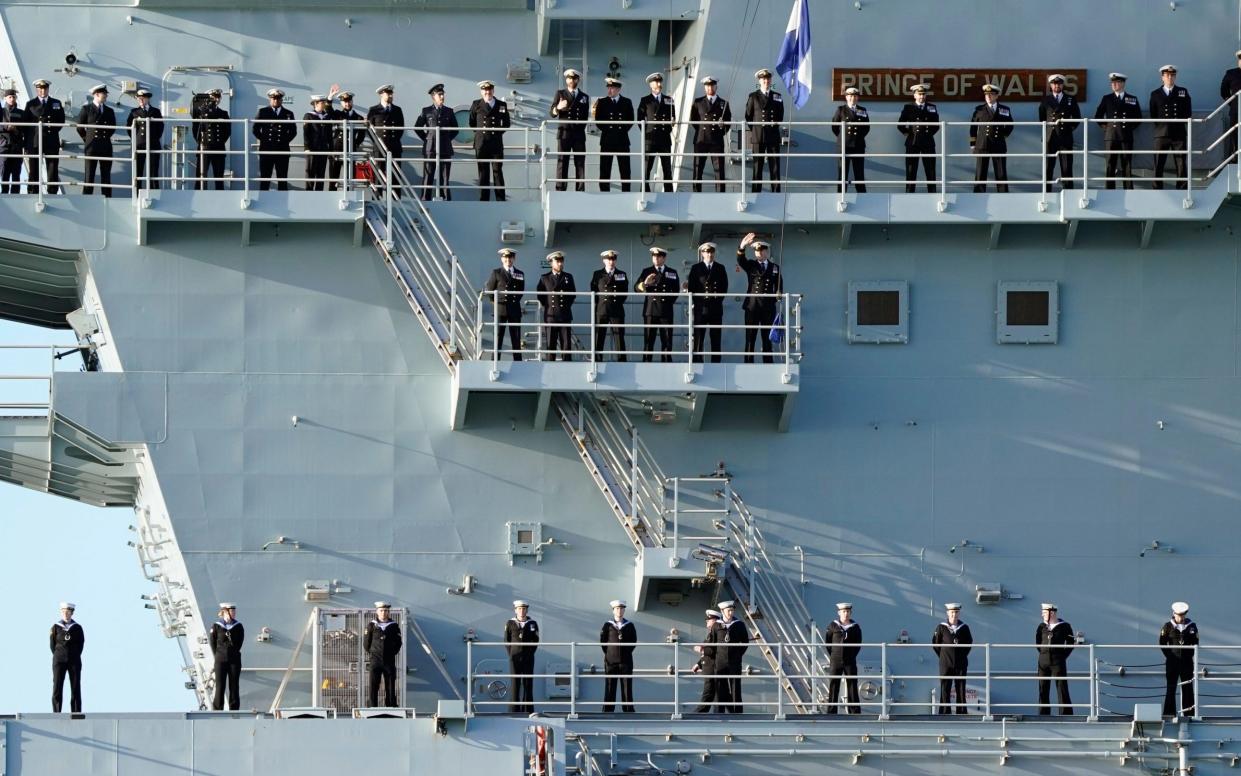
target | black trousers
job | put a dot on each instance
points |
(1179, 672)
(663, 327)
(849, 672)
(74, 670)
(1176, 145)
(490, 174)
(211, 167)
(559, 340)
(382, 164)
(11, 175)
(277, 164)
(575, 149)
(1000, 166)
(523, 684)
(758, 326)
(334, 165)
(707, 699)
(1119, 165)
(431, 187)
(700, 165)
(316, 172)
(701, 323)
(1057, 669)
(949, 686)
(854, 170)
(104, 168)
(616, 323)
(928, 168)
(387, 673)
(605, 169)
(665, 162)
(140, 170)
(1062, 148)
(728, 693)
(615, 674)
(514, 333)
(53, 173)
(227, 673)
(766, 152)
(1230, 145)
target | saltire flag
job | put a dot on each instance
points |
(793, 64)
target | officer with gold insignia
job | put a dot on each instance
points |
(710, 117)
(1116, 106)
(843, 637)
(489, 118)
(317, 139)
(990, 127)
(571, 105)
(436, 126)
(919, 121)
(382, 643)
(67, 641)
(274, 127)
(389, 119)
(505, 286)
(1177, 638)
(611, 287)
(228, 636)
(146, 133)
(212, 137)
(345, 113)
(96, 125)
(521, 639)
(764, 111)
(761, 303)
(49, 112)
(707, 285)
(1172, 104)
(556, 299)
(1061, 111)
(659, 113)
(660, 283)
(854, 122)
(614, 117)
(951, 643)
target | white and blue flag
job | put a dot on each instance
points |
(793, 64)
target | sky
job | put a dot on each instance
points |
(53, 549)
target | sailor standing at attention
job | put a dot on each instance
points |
(611, 286)
(851, 131)
(1177, 637)
(660, 283)
(274, 128)
(919, 122)
(842, 635)
(67, 640)
(764, 112)
(557, 294)
(436, 126)
(1053, 636)
(382, 643)
(571, 106)
(521, 639)
(951, 641)
(96, 125)
(617, 640)
(731, 640)
(227, 638)
(508, 279)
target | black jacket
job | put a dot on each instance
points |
(618, 642)
(578, 109)
(1230, 85)
(708, 281)
(764, 115)
(761, 281)
(436, 143)
(153, 120)
(501, 280)
(919, 123)
(272, 136)
(668, 283)
(706, 657)
(1046, 638)
(710, 136)
(612, 290)
(839, 638)
(658, 113)
(614, 120)
(1176, 105)
(227, 641)
(1064, 111)
(857, 126)
(731, 640)
(317, 132)
(1112, 107)
(98, 139)
(991, 136)
(521, 638)
(488, 123)
(67, 641)
(393, 116)
(557, 308)
(14, 139)
(952, 645)
(51, 112)
(213, 135)
(382, 641)
(338, 131)
(1186, 636)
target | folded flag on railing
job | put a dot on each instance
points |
(776, 335)
(793, 64)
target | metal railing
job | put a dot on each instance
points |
(27, 380)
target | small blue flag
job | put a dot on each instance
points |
(793, 64)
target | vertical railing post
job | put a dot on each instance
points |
(743, 161)
(1042, 162)
(883, 682)
(781, 678)
(642, 160)
(389, 195)
(594, 355)
(345, 172)
(1094, 684)
(676, 681)
(469, 679)
(133, 161)
(452, 309)
(633, 477)
(943, 165)
(41, 171)
(1189, 163)
(676, 509)
(495, 330)
(1085, 162)
(543, 156)
(788, 317)
(245, 164)
(986, 692)
(573, 680)
(689, 334)
(1197, 692)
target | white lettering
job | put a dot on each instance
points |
(952, 85)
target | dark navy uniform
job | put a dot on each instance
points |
(227, 639)
(951, 645)
(659, 112)
(706, 667)
(46, 111)
(522, 640)
(763, 113)
(760, 312)
(98, 145)
(389, 119)
(382, 644)
(989, 135)
(357, 138)
(508, 305)
(558, 308)
(710, 137)
(147, 140)
(274, 138)
(842, 661)
(1171, 135)
(1053, 658)
(13, 141)
(212, 138)
(1179, 665)
(437, 128)
(919, 123)
(489, 121)
(571, 138)
(856, 123)
(1118, 135)
(611, 289)
(67, 640)
(618, 640)
(1228, 86)
(1059, 140)
(707, 279)
(614, 117)
(731, 639)
(317, 131)
(657, 311)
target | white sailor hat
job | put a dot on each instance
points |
(610, 81)
(520, 603)
(1167, 69)
(844, 605)
(42, 82)
(656, 76)
(1239, 53)
(227, 605)
(760, 245)
(571, 73)
(990, 88)
(385, 88)
(507, 252)
(608, 254)
(619, 603)
(764, 73)
(382, 605)
(143, 92)
(952, 607)
(345, 95)
(436, 88)
(708, 80)
(1180, 607)
(97, 88)
(215, 92)
(67, 605)
(852, 90)
(318, 98)
(726, 605)
(920, 88)
(1055, 78)
(713, 615)
(707, 246)
(555, 256)
(275, 93)
(1046, 607)
(657, 251)
(485, 84)
(1117, 77)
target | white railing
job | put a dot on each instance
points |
(27, 379)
